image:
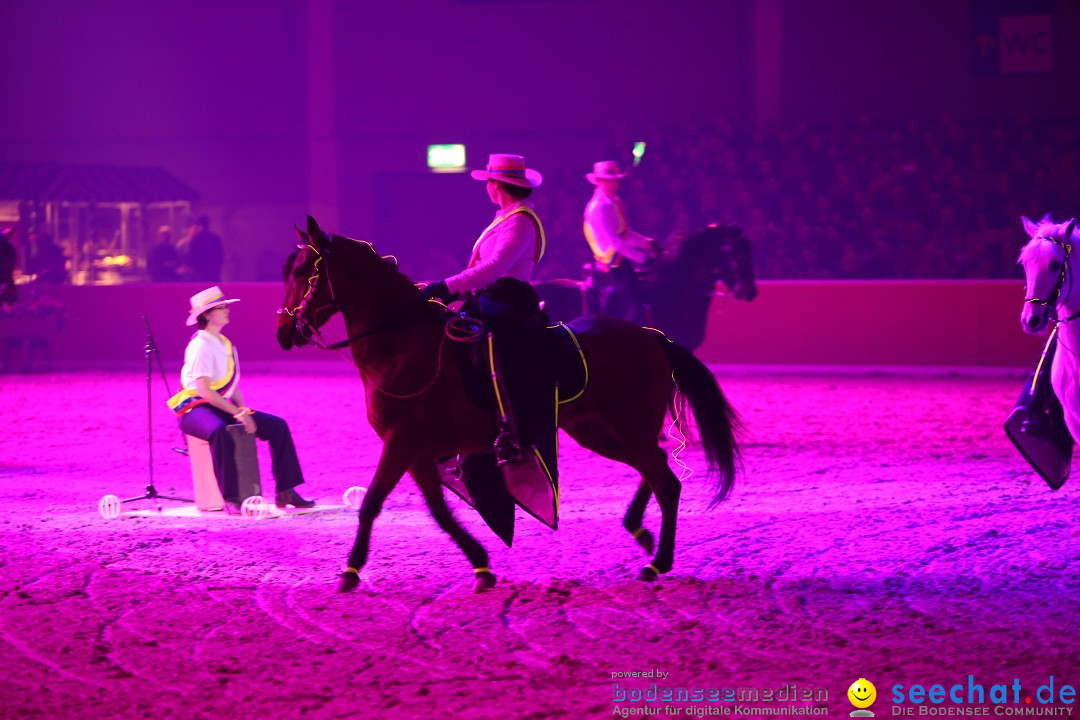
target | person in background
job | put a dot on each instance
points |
(163, 260)
(8, 293)
(48, 261)
(205, 251)
(211, 401)
(617, 250)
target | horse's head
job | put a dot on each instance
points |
(331, 274)
(739, 272)
(1047, 271)
(727, 254)
(309, 301)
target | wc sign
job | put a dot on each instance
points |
(1026, 44)
(1012, 36)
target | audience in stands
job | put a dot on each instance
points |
(937, 199)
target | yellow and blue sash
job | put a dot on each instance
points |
(541, 241)
(186, 400)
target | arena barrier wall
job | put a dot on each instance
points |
(886, 323)
(873, 322)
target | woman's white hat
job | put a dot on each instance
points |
(206, 300)
(509, 169)
(605, 170)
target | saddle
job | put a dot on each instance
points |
(536, 366)
(1036, 425)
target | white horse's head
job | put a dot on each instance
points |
(1047, 270)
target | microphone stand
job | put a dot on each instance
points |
(151, 491)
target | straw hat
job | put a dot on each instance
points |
(509, 169)
(605, 170)
(206, 300)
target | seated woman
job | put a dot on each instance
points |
(211, 400)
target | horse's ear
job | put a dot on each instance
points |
(300, 232)
(1029, 227)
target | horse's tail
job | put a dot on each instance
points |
(718, 423)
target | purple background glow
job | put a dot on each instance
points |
(274, 109)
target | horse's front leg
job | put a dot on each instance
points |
(393, 462)
(426, 475)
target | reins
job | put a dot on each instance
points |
(457, 328)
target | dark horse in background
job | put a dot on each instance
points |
(676, 289)
(417, 402)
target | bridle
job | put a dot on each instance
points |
(1051, 302)
(1052, 299)
(311, 333)
(308, 330)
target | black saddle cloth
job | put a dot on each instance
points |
(1036, 425)
(537, 366)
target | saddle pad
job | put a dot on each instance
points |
(1050, 455)
(573, 368)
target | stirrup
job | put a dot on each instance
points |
(507, 450)
(450, 466)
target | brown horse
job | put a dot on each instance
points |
(418, 404)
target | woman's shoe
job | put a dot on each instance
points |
(291, 497)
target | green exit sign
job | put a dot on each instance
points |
(446, 158)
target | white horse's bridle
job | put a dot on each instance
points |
(1052, 299)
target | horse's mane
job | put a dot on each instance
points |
(386, 266)
(1038, 249)
(702, 250)
(703, 244)
(1042, 244)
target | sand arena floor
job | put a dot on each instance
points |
(883, 528)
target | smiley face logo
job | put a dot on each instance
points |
(862, 693)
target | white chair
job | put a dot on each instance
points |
(207, 493)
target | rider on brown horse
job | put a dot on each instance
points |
(498, 273)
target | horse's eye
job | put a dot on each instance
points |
(1055, 265)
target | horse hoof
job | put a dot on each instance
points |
(484, 581)
(646, 541)
(647, 574)
(349, 581)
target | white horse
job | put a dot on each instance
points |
(1048, 273)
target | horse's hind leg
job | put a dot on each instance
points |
(634, 519)
(667, 488)
(391, 467)
(598, 438)
(426, 475)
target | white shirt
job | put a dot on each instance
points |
(208, 356)
(607, 231)
(506, 248)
